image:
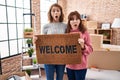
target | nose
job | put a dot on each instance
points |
(74, 20)
(56, 12)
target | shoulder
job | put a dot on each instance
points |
(64, 25)
(86, 34)
(46, 25)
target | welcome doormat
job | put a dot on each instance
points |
(58, 49)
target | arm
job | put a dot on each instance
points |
(85, 43)
(45, 29)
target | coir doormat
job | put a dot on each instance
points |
(58, 49)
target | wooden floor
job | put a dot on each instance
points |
(43, 76)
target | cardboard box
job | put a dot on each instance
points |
(92, 24)
(97, 41)
(91, 31)
(109, 60)
(58, 49)
(21, 75)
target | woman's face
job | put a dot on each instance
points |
(74, 22)
(55, 13)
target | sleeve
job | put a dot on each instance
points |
(88, 46)
(44, 29)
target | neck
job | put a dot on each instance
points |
(56, 20)
(75, 30)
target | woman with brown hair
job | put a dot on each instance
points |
(74, 25)
(55, 26)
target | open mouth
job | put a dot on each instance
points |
(75, 25)
(56, 16)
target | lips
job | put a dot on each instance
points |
(75, 25)
(56, 16)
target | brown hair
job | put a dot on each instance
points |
(81, 27)
(50, 18)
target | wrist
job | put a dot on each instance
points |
(83, 48)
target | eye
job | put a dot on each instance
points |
(58, 10)
(53, 10)
(71, 19)
(77, 19)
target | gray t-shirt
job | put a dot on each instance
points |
(54, 28)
